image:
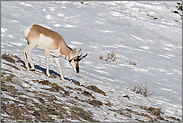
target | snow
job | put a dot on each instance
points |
(126, 28)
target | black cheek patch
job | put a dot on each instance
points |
(77, 69)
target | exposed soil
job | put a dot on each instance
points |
(56, 103)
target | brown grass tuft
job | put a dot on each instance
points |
(132, 63)
(110, 57)
(142, 89)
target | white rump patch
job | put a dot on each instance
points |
(26, 31)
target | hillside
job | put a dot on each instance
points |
(129, 45)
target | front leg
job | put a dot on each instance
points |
(47, 52)
(59, 67)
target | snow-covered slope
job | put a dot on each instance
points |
(146, 33)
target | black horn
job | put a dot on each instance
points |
(81, 57)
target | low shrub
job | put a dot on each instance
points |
(142, 89)
(110, 57)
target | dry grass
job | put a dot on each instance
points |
(132, 63)
(142, 89)
(110, 57)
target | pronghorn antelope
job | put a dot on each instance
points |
(51, 43)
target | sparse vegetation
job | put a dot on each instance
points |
(110, 57)
(82, 2)
(152, 16)
(142, 89)
(8, 58)
(179, 8)
(132, 63)
(45, 105)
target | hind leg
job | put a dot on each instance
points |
(26, 52)
(25, 57)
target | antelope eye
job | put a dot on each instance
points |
(70, 60)
(76, 59)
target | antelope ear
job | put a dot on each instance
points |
(74, 51)
(78, 52)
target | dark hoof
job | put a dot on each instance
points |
(32, 70)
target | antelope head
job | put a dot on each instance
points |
(75, 58)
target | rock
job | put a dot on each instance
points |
(95, 103)
(139, 120)
(68, 112)
(77, 83)
(66, 93)
(128, 115)
(52, 97)
(23, 110)
(3, 88)
(45, 116)
(8, 78)
(15, 56)
(55, 87)
(78, 89)
(88, 94)
(101, 57)
(8, 58)
(95, 89)
(9, 111)
(43, 82)
(23, 99)
(40, 99)
(66, 120)
(69, 87)
(174, 118)
(180, 8)
(52, 75)
(29, 107)
(126, 96)
(16, 81)
(108, 104)
(2, 73)
(12, 66)
(80, 114)
(76, 98)
(155, 111)
(36, 113)
(176, 12)
(142, 107)
(128, 110)
(41, 115)
(52, 111)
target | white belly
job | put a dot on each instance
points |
(43, 42)
(55, 53)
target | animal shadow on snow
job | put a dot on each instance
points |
(44, 70)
